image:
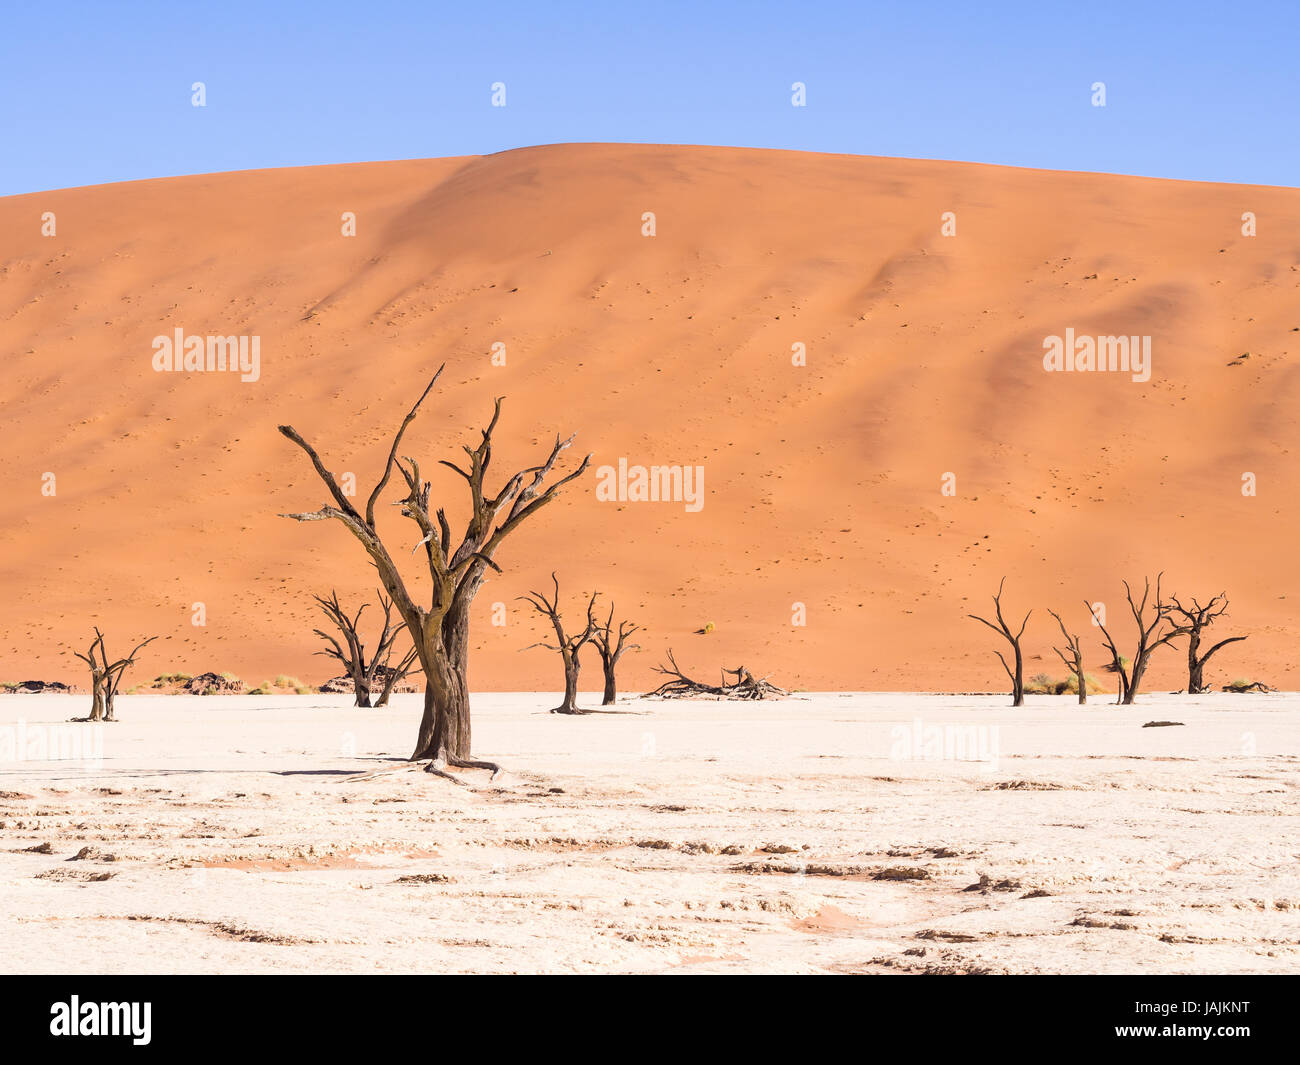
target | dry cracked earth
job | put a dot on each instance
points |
(827, 833)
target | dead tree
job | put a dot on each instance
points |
(1117, 662)
(612, 646)
(113, 674)
(106, 676)
(391, 676)
(96, 676)
(1240, 687)
(1194, 621)
(745, 686)
(1151, 636)
(568, 645)
(440, 631)
(364, 673)
(1004, 630)
(1074, 663)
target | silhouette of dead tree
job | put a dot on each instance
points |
(106, 676)
(365, 674)
(1074, 663)
(1004, 630)
(612, 645)
(567, 645)
(440, 631)
(1194, 621)
(1151, 637)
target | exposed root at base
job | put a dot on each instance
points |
(438, 767)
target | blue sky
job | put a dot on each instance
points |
(98, 92)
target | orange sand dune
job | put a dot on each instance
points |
(822, 482)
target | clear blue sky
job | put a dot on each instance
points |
(98, 92)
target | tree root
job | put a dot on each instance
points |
(476, 763)
(438, 767)
(437, 771)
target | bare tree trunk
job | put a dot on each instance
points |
(571, 670)
(444, 657)
(1195, 667)
(611, 687)
(1074, 660)
(97, 701)
(612, 644)
(445, 726)
(1135, 678)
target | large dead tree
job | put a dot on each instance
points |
(568, 645)
(745, 686)
(378, 671)
(1017, 675)
(612, 645)
(1152, 635)
(1074, 661)
(1194, 620)
(106, 676)
(440, 631)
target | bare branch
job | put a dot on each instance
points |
(397, 442)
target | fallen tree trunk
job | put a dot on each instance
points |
(744, 686)
(1254, 686)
